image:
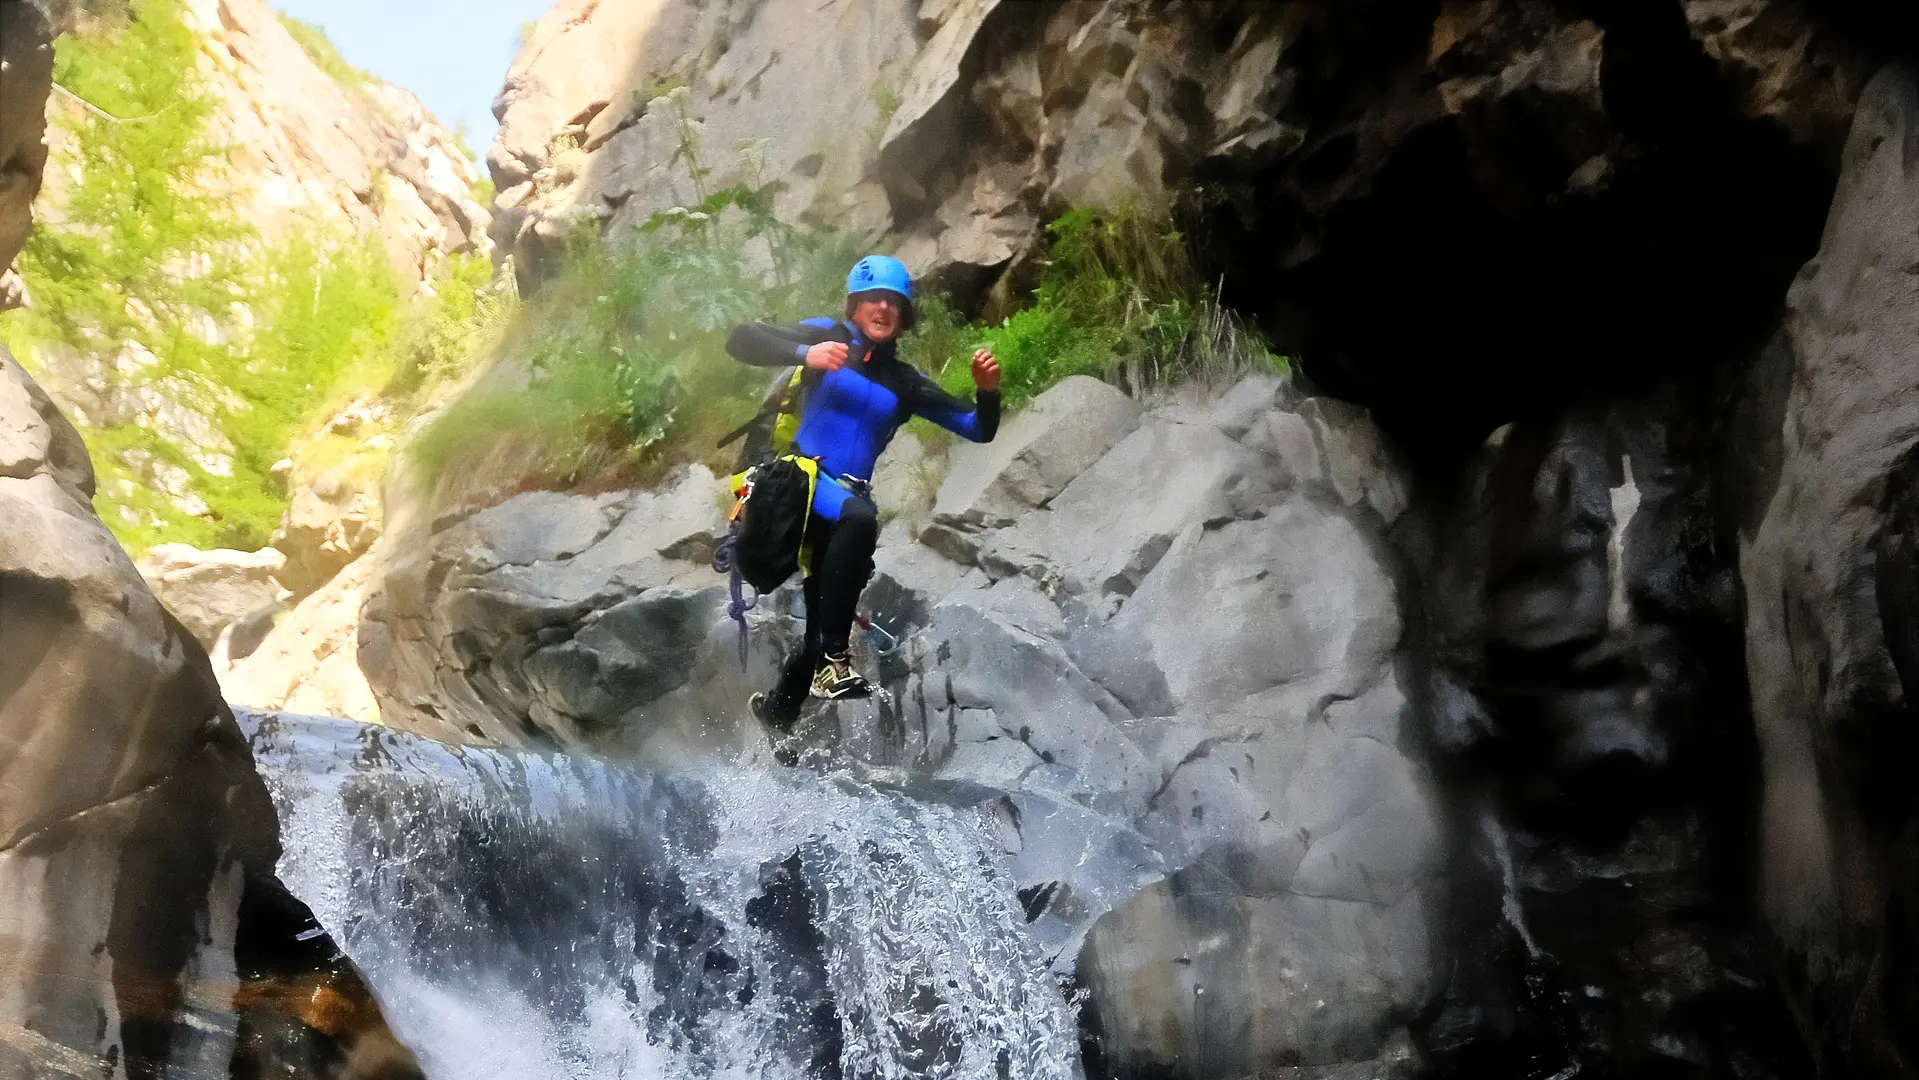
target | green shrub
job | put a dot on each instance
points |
(313, 41)
(449, 327)
(625, 362)
(623, 352)
(1118, 299)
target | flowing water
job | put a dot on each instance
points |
(527, 915)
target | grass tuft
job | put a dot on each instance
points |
(313, 41)
(1118, 299)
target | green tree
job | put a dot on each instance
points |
(145, 269)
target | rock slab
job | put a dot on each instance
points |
(1162, 638)
(137, 845)
(210, 590)
(1832, 625)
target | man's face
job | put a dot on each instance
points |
(877, 314)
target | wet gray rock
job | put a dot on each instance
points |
(137, 900)
(1105, 532)
(1832, 606)
(1196, 637)
(1036, 453)
(1580, 688)
(1161, 639)
(547, 618)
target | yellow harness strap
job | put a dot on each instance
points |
(741, 484)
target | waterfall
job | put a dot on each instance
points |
(538, 915)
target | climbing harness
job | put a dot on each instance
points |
(726, 557)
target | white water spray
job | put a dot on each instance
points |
(524, 915)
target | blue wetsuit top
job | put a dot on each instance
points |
(848, 416)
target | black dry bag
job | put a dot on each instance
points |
(772, 524)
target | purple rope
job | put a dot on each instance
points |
(736, 608)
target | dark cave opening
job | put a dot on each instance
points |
(1485, 270)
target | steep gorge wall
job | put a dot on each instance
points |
(310, 152)
(304, 149)
(1547, 244)
(143, 932)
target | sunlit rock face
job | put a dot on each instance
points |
(144, 932)
(209, 591)
(306, 659)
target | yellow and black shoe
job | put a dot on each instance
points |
(835, 678)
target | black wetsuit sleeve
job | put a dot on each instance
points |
(977, 422)
(770, 345)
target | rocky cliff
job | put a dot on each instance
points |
(312, 156)
(145, 933)
(309, 147)
(285, 155)
(1647, 587)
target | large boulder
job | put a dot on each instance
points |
(1035, 453)
(26, 75)
(308, 660)
(1163, 640)
(1832, 599)
(210, 590)
(139, 913)
(1194, 638)
(548, 618)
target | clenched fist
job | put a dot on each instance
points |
(985, 370)
(827, 356)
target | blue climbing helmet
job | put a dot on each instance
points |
(880, 272)
(887, 273)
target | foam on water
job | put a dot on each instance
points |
(525, 915)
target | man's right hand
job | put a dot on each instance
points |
(827, 356)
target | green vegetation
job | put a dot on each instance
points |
(207, 355)
(621, 365)
(210, 358)
(320, 49)
(449, 328)
(621, 369)
(624, 352)
(1118, 299)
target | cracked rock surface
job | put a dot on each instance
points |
(1162, 638)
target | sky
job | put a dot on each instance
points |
(452, 53)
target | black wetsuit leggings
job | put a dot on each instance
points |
(842, 562)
